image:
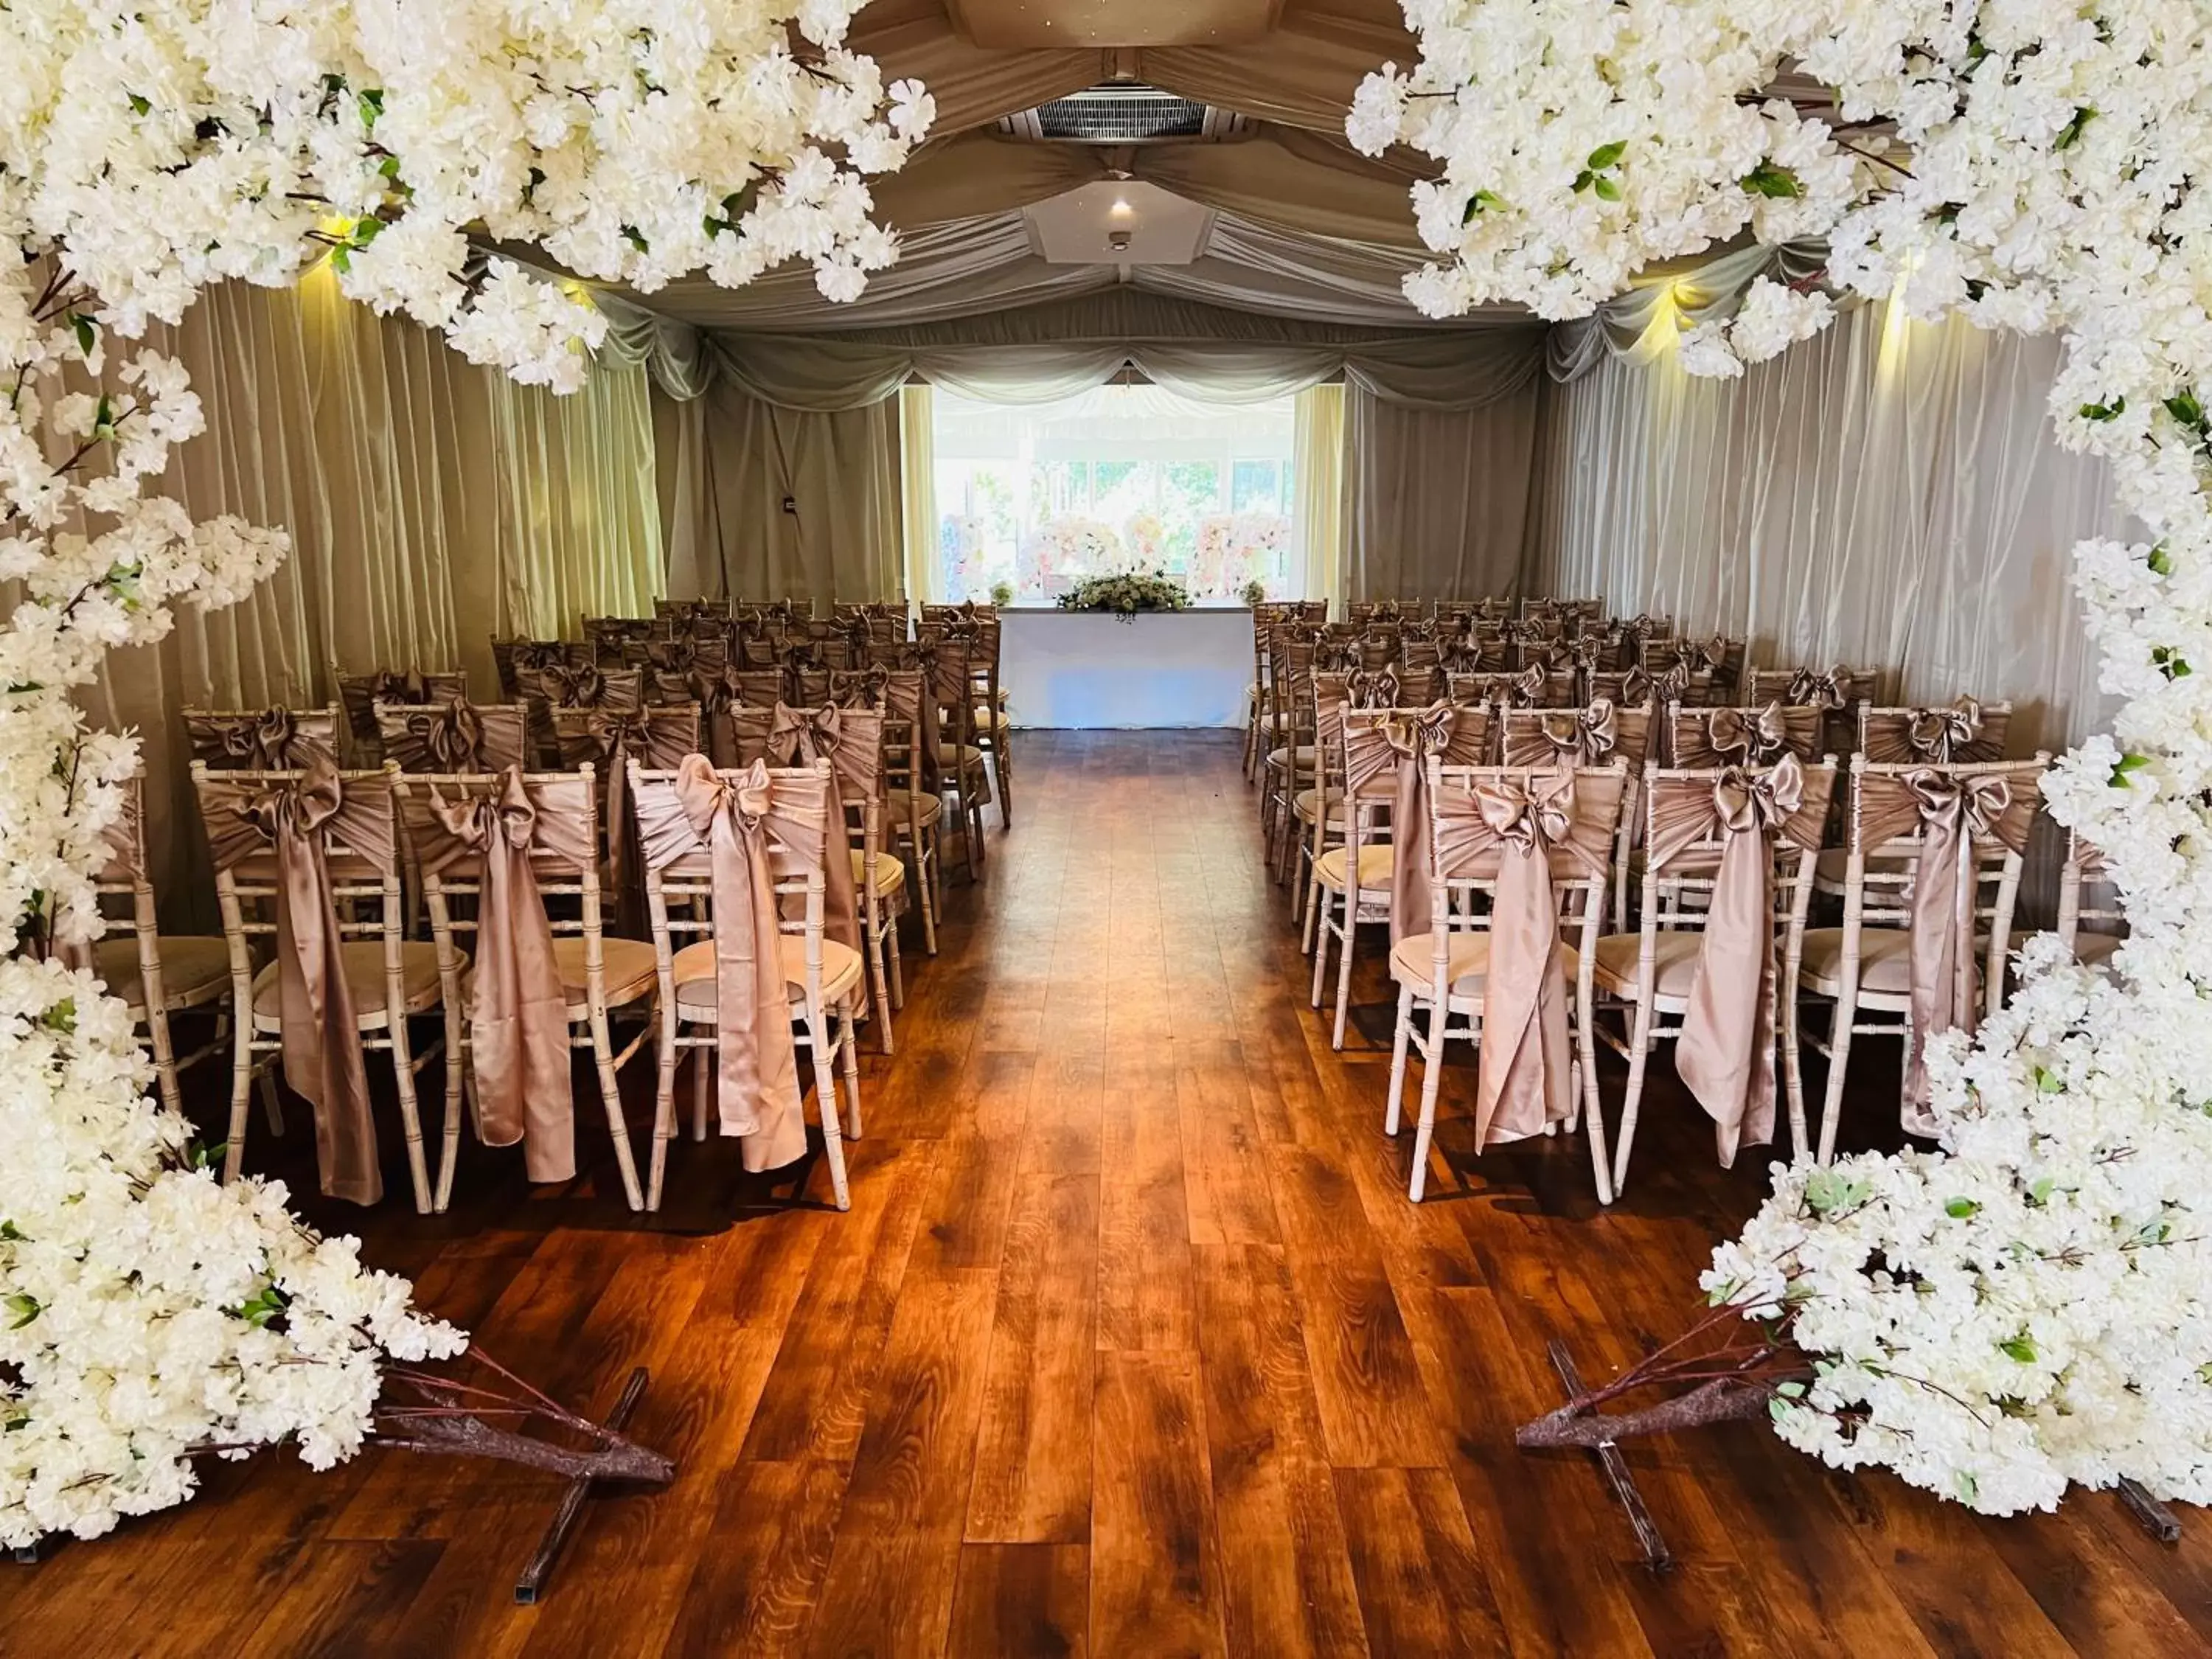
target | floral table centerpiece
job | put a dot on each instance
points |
(1126, 593)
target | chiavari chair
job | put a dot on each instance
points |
(1839, 692)
(1725, 917)
(1934, 852)
(156, 974)
(1720, 656)
(455, 737)
(308, 862)
(2087, 893)
(263, 739)
(513, 659)
(1966, 729)
(360, 693)
(1516, 862)
(822, 981)
(1598, 734)
(459, 823)
(1700, 738)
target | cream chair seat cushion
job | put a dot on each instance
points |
(928, 808)
(890, 874)
(1674, 957)
(194, 969)
(1279, 758)
(1376, 863)
(694, 972)
(364, 975)
(1306, 801)
(626, 965)
(1885, 962)
(1413, 961)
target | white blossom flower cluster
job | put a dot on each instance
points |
(2032, 1308)
(148, 1315)
(176, 142)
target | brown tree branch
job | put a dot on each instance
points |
(1723, 1399)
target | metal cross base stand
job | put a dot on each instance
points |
(2160, 1522)
(530, 1587)
(1656, 1553)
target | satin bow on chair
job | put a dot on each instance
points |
(1412, 739)
(1696, 654)
(270, 741)
(757, 1070)
(1942, 735)
(1831, 690)
(1588, 652)
(678, 656)
(1524, 1068)
(1952, 811)
(860, 688)
(390, 685)
(1372, 688)
(296, 818)
(1756, 739)
(539, 655)
(449, 735)
(1583, 736)
(574, 685)
(518, 1013)
(1725, 1056)
(1528, 687)
(1671, 683)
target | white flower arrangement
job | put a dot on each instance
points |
(1068, 546)
(1235, 548)
(2032, 1308)
(1145, 542)
(148, 1315)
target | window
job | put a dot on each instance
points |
(1124, 477)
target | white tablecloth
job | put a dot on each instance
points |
(1085, 669)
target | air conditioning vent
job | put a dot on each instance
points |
(1127, 113)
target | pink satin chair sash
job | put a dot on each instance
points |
(301, 820)
(1441, 732)
(1741, 737)
(1951, 813)
(518, 1014)
(1831, 690)
(654, 738)
(1725, 1055)
(1595, 735)
(1518, 826)
(852, 741)
(361, 693)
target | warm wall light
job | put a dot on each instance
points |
(1120, 213)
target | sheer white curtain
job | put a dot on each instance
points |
(1317, 517)
(1886, 494)
(1438, 499)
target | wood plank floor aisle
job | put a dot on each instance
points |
(1131, 1346)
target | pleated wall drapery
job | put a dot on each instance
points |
(431, 504)
(1317, 465)
(1436, 501)
(1886, 494)
(918, 492)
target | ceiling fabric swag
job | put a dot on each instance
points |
(1627, 325)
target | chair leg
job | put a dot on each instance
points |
(1432, 1080)
(1639, 1056)
(664, 1107)
(702, 1081)
(825, 1095)
(1350, 937)
(603, 1055)
(919, 878)
(165, 1060)
(1839, 1047)
(272, 1107)
(848, 1051)
(241, 1094)
(1593, 1109)
(1398, 1041)
(457, 1059)
(1793, 1079)
(411, 1117)
(898, 976)
(1316, 940)
(883, 990)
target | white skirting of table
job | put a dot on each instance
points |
(1083, 669)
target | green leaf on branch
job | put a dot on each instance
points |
(87, 331)
(2184, 408)
(2070, 133)
(1607, 189)
(2169, 662)
(1584, 180)
(1481, 202)
(1959, 1209)
(2019, 1347)
(1828, 1190)
(138, 106)
(2048, 1082)
(636, 238)
(1969, 1488)
(372, 106)
(103, 418)
(1790, 1390)
(2039, 1193)
(266, 1304)
(1605, 155)
(2128, 765)
(2161, 560)
(25, 1307)
(1776, 184)
(207, 1157)
(2111, 411)
(11, 1233)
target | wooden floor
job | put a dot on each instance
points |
(1130, 1346)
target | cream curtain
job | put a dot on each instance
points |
(432, 505)
(918, 491)
(1438, 499)
(1317, 464)
(1885, 494)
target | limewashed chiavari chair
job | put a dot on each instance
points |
(1289, 760)
(514, 658)
(1380, 753)
(1700, 738)
(1515, 866)
(608, 636)
(913, 812)
(743, 852)
(949, 657)
(309, 861)
(157, 975)
(1720, 656)
(608, 740)
(542, 979)
(1318, 812)
(1728, 877)
(360, 693)
(1932, 862)
(262, 739)
(1966, 729)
